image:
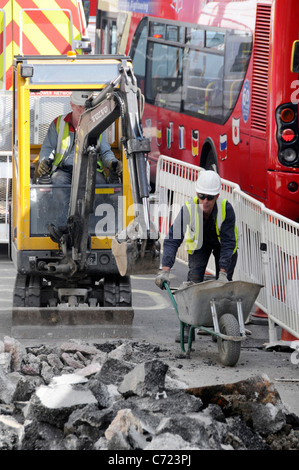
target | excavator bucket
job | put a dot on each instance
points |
(134, 255)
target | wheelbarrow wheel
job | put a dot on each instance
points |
(229, 351)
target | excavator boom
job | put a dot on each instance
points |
(136, 249)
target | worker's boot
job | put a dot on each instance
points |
(186, 335)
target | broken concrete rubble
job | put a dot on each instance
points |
(146, 378)
(120, 395)
(255, 400)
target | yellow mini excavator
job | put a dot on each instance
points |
(74, 260)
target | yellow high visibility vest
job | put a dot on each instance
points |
(63, 142)
(63, 139)
(192, 234)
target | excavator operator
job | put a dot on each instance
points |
(56, 157)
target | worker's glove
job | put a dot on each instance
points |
(162, 277)
(222, 277)
(116, 166)
(44, 167)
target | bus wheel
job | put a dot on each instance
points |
(211, 162)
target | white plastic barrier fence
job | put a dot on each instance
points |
(268, 250)
(5, 194)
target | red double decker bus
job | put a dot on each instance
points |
(218, 85)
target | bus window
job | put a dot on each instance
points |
(138, 53)
(215, 40)
(157, 30)
(202, 77)
(295, 57)
(164, 76)
(237, 55)
(175, 33)
(109, 36)
(203, 84)
(196, 37)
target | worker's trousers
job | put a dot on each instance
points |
(199, 259)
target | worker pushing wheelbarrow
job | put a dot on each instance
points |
(217, 308)
(207, 224)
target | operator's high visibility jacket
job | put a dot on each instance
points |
(219, 228)
(62, 146)
(64, 142)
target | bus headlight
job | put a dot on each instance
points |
(289, 155)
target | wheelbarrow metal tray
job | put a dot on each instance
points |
(194, 302)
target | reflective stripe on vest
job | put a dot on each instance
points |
(221, 216)
(192, 233)
(63, 139)
(100, 166)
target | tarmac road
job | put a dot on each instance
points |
(156, 321)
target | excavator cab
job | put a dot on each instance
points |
(62, 236)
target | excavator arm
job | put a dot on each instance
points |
(136, 249)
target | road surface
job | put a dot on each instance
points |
(155, 321)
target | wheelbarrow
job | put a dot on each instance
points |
(221, 306)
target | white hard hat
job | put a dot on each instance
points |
(208, 182)
(79, 97)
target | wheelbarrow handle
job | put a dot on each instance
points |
(182, 324)
(167, 288)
